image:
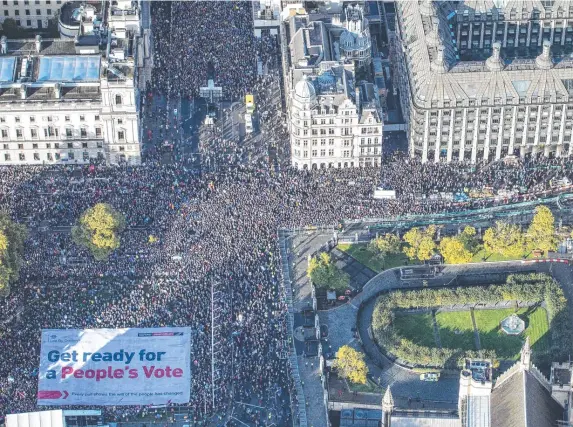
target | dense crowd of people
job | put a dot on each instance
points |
(213, 230)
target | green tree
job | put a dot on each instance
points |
(504, 239)
(325, 274)
(454, 251)
(468, 238)
(98, 230)
(350, 365)
(541, 232)
(386, 244)
(421, 243)
(12, 237)
(12, 30)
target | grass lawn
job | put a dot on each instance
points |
(509, 346)
(456, 329)
(369, 387)
(489, 257)
(363, 255)
(416, 327)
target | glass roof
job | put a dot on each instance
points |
(69, 68)
(7, 65)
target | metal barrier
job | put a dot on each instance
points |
(293, 360)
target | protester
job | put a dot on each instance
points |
(216, 228)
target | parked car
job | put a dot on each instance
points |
(430, 376)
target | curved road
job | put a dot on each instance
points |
(406, 384)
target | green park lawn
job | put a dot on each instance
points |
(490, 257)
(361, 253)
(456, 330)
(416, 327)
(509, 346)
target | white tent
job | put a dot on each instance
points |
(36, 419)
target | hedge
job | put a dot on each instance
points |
(533, 287)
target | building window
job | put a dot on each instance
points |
(96, 118)
(17, 12)
(6, 146)
(37, 156)
(70, 145)
(22, 157)
(83, 132)
(38, 11)
(48, 11)
(20, 146)
(17, 119)
(67, 118)
(7, 157)
(4, 133)
(32, 119)
(119, 121)
(82, 118)
(69, 133)
(48, 145)
(27, 12)
(19, 133)
(34, 133)
(49, 157)
(35, 146)
(29, 22)
(84, 145)
(6, 13)
(118, 100)
(71, 155)
(99, 144)
(121, 135)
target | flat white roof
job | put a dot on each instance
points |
(36, 419)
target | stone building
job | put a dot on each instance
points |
(482, 80)
(334, 120)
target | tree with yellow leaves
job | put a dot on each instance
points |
(325, 274)
(454, 251)
(350, 365)
(421, 243)
(12, 237)
(541, 232)
(386, 244)
(98, 230)
(504, 239)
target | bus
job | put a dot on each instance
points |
(250, 103)
(248, 123)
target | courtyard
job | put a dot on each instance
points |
(455, 329)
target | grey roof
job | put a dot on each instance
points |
(49, 47)
(439, 79)
(521, 401)
(478, 411)
(424, 421)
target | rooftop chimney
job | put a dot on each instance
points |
(544, 61)
(439, 65)
(4, 45)
(58, 90)
(494, 62)
(22, 91)
(427, 8)
(38, 43)
(358, 100)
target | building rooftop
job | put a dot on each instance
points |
(69, 68)
(439, 77)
